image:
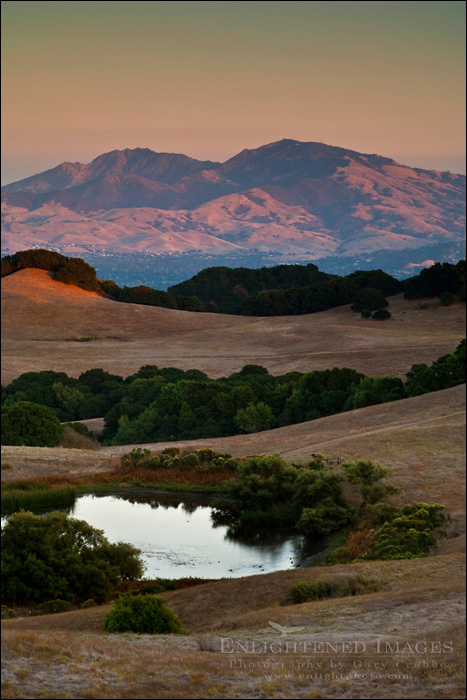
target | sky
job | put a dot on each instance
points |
(209, 79)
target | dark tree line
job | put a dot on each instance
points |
(268, 291)
(440, 278)
(282, 290)
(163, 404)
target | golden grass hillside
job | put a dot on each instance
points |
(44, 320)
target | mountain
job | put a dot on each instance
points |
(298, 201)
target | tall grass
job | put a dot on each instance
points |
(35, 497)
(304, 591)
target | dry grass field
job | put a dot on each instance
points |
(404, 641)
(43, 320)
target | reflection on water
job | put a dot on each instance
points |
(177, 538)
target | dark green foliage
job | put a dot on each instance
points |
(387, 532)
(376, 279)
(435, 280)
(151, 297)
(369, 299)
(304, 591)
(142, 614)
(204, 460)
(76, 271)
(89, 396)
(369, 476)
(408, 533)
(374, 390)
(45, 557)
(366, 313)
(445, 372)
(447, 299)
(281, 290)
(54, 606)
(255, 417)
(41, 259)
(227, 289)
(381, 314)
(8, 613)
(27, 423)
(268, 489)
(165, 404)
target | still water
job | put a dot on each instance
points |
(178, 538)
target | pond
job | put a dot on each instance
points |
(178, 538)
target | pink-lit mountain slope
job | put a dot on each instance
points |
(288, 197)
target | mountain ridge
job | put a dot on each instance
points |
(306, 199)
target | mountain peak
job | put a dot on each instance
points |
(290, 197)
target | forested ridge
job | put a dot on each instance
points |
(275, 291)
(159, 404)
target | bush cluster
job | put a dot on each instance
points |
(388, 533)
(50, 557)
(203, 460)
(143, 614)
(304, 591)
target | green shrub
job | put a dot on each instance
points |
(28, 423)
(143, 614)
(366, 313)
(172, 451)
(89, 603)
(369, 298)
(54, 606)
(135, 457)
(8, 613)
(53, 556)
(447, 299)
(191, 461)
(409, 533)
(303, 591)
(381, 315)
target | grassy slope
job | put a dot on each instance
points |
(40, 316)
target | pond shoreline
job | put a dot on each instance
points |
(147, 491)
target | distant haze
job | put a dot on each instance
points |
(210, 78)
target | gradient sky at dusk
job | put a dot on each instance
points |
(211, 78)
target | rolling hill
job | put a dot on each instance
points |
(43, 320)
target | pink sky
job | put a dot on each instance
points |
(211, 78)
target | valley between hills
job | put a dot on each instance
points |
(421, 439)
